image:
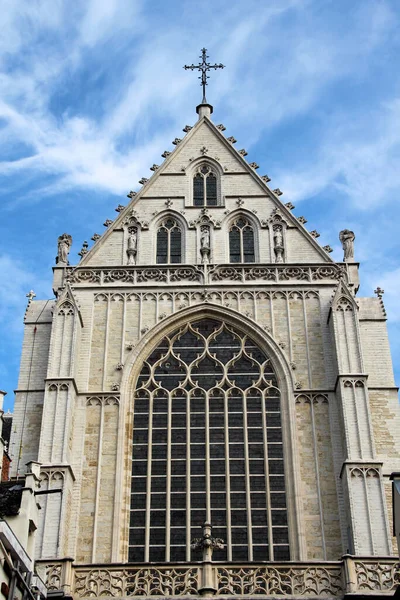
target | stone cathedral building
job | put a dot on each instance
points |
(208, 362)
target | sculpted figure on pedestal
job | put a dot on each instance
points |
(278, 243)
(347, 238)
(64, 245)
(205, 238)
(132, 246)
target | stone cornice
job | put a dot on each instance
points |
(246, 274)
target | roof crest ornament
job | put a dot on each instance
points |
(204, 67)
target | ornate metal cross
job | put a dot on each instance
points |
(204, 67)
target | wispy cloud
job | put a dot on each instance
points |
(92, 92)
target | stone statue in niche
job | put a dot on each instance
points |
(278, 243)
(347, 238)
(205, 243)
(63, 248)
(131, 249)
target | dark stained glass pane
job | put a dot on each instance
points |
(234, 246)
(211, 190)
(222, 378)
(248, 244)
(198, 190)
(162, 246)
(176, 245)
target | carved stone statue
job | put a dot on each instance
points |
(278, 244)
(132, 246)
(205, 243)
(205, 238)
(64, 245)
(347, 238)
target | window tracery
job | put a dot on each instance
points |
(241, 241)
(169, 242)
(207, 445)
(205, 186)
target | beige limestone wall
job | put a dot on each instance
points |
(27, 421)
(292, 318)
(376, 353)
(385, 415)
(98, 481)
(317, 478)
(88, 487)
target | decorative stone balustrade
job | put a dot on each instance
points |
(351, 575)
(205, 275)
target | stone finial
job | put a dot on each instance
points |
(290, 206)
(154, 167)
(107, 223)
(278, 192)
(165, 154)
(131, 194)
(187, 128)
(84, 249)
(207, 544)
(314, 233)
(143, 180)
(176, 141)
(302, 220)
(119, 208)
(242, 152)
(265, 178)
(379, 292)
(30, 295)
(231, 139)
(254, 165)
(347, 238)
(63, 248)
(327, 248)
(221, 127)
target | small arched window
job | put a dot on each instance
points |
(169, 242)
(241, 241)
(205, 187)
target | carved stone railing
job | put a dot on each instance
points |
(352, 575)
(205, 275)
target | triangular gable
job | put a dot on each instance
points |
(178, 160)
(67, 298)
(343, 299)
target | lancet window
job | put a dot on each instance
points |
(241, 241)
(207, 445)
(169, 242)
(205, 188)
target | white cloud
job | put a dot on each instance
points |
(17, 279)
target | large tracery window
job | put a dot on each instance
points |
(205, 187)
(241, 241)
(207, 445)
(169, 242)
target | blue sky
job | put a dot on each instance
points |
(93, 91)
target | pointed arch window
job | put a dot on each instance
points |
(169, 242)
(207, 445)
(205, 187)
(241, 241)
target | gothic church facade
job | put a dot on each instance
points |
(207, 361)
